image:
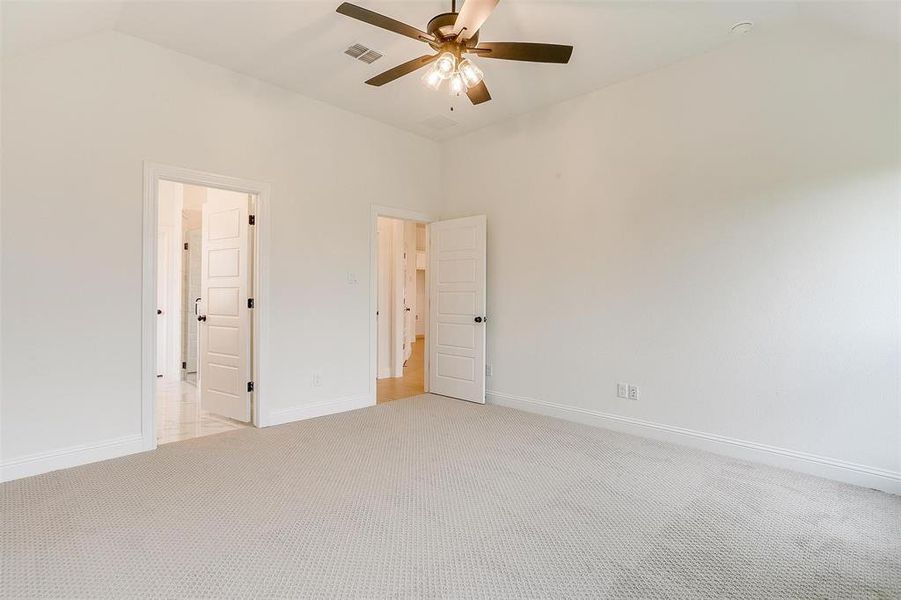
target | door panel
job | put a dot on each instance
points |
(162, 299)
(225, 335)
(457, 336)
(457, 288)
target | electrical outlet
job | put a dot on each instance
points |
(633, 392)
(622, 390)
(317, 379)
(351, 278)
(489, 370)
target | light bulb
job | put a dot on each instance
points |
(456, 85)
(471, 74)
(432, 78)
(446, 64)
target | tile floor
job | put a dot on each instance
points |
(179, 416)
(411, 384)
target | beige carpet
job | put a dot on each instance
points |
(431, 498)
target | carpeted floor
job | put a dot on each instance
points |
(432, 497)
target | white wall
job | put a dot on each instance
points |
(78, 120)
(723, 233)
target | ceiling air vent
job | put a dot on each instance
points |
(370, 57)
(361, 52)
(357, 50)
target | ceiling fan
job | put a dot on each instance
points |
(452, 35)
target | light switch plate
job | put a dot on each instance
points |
(622, 390)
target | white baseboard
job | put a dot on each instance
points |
(318, 409)
(821, 466)
(73, 456)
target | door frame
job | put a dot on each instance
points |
(153, 173)
(390, 212)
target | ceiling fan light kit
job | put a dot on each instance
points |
(471, 74)
(452, 35)
(456, 85)
(432, 79)
(445, 65)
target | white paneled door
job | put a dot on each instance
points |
(162, 300)
(457, 308)
(224, 320)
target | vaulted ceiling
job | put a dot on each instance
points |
(300, 45)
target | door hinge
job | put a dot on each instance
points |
(250, 303)
(252, 219)
(186, 245)
(184, 365)
(249, 386)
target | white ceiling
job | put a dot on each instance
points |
(299, 44)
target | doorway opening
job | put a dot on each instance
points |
(204, 333)
(232, 316)
(402, 308)
(451, 306)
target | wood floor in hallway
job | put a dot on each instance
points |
(411, 384)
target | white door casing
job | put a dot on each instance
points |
(457, 285)
(225, 332)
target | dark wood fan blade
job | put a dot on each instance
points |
(401, 70)
(373, 18)
(478, 93)
(472, 16)
(527, 51)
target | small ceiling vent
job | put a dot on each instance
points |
(357, 50)
(438, 123)
(370, 57)
(361, 52)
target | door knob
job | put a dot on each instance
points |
(159, 312)
(201, 318)
(478, 319)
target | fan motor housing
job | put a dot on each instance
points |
(442, 27)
